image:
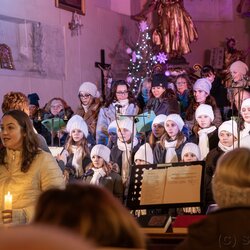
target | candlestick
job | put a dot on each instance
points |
(8, 201)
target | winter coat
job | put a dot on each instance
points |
(105, 117)
(164, 106)
(159, 153)
(25, 188)
(113, 182)
(223, 229)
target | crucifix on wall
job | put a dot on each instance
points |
(105, 70)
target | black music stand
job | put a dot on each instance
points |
(136, 177)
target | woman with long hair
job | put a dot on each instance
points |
(120, 102)
(25, 170)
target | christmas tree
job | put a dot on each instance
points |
(141, 62)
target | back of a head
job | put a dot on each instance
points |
(231, 183)
(34, 237)
(91, 211)
(15, 100)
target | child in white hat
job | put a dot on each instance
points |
(171, 143)
(144, 155)
(228, 136)
(75, 156)
(205, 133)
(100, 171)
(202, 88)
(245, 132)
(190, 152)
(127, 145)
(157, 130)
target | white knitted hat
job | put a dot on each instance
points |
(89, 88)
(229, 126)
(112, 127)
(77, 122)
(191, 147)
(102, 151)
(245, 103)
(204, 109)
(159, 119)
(239, 67)
(127, 124)
(144, 153)
(175, 118)
(203, 84)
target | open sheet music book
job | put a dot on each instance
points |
(171, 185)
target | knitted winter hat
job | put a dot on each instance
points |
(191, 147)
(204, 109)
(175, 118)
(229, 126)
(102, 151)
(144, 153)
(203, 84)
(33, 99)
(112, 128)
(77, 122)
(89, 88)
(159, 80)
(239, 67)
(159, 119)
(245, 103)
(127, 124)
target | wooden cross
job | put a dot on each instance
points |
(103, 67)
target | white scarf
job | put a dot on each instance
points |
(98, 173)
(124, 104)
(171, 155)
(203, 140)
(77, 160)
(86, 108)
(126, 154)
(245, 131)
(225, 148)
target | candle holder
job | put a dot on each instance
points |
(7, 216)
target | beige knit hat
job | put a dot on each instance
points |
(239, 67)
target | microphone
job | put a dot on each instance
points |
(118, 107)
(88, 173)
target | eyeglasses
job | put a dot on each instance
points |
(122, 92)
(85, 96)
(56, 106)
(181, 83)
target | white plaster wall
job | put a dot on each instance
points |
(100, 31)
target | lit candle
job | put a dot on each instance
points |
(8, 201)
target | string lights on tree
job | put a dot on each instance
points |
(142, 58)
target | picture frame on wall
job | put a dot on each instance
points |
(77, 6)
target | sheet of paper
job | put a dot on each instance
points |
(152, 188)
(183, 184)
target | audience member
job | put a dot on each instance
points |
(25, 170)
(144, 92)
(227, 227)
(93, 213)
